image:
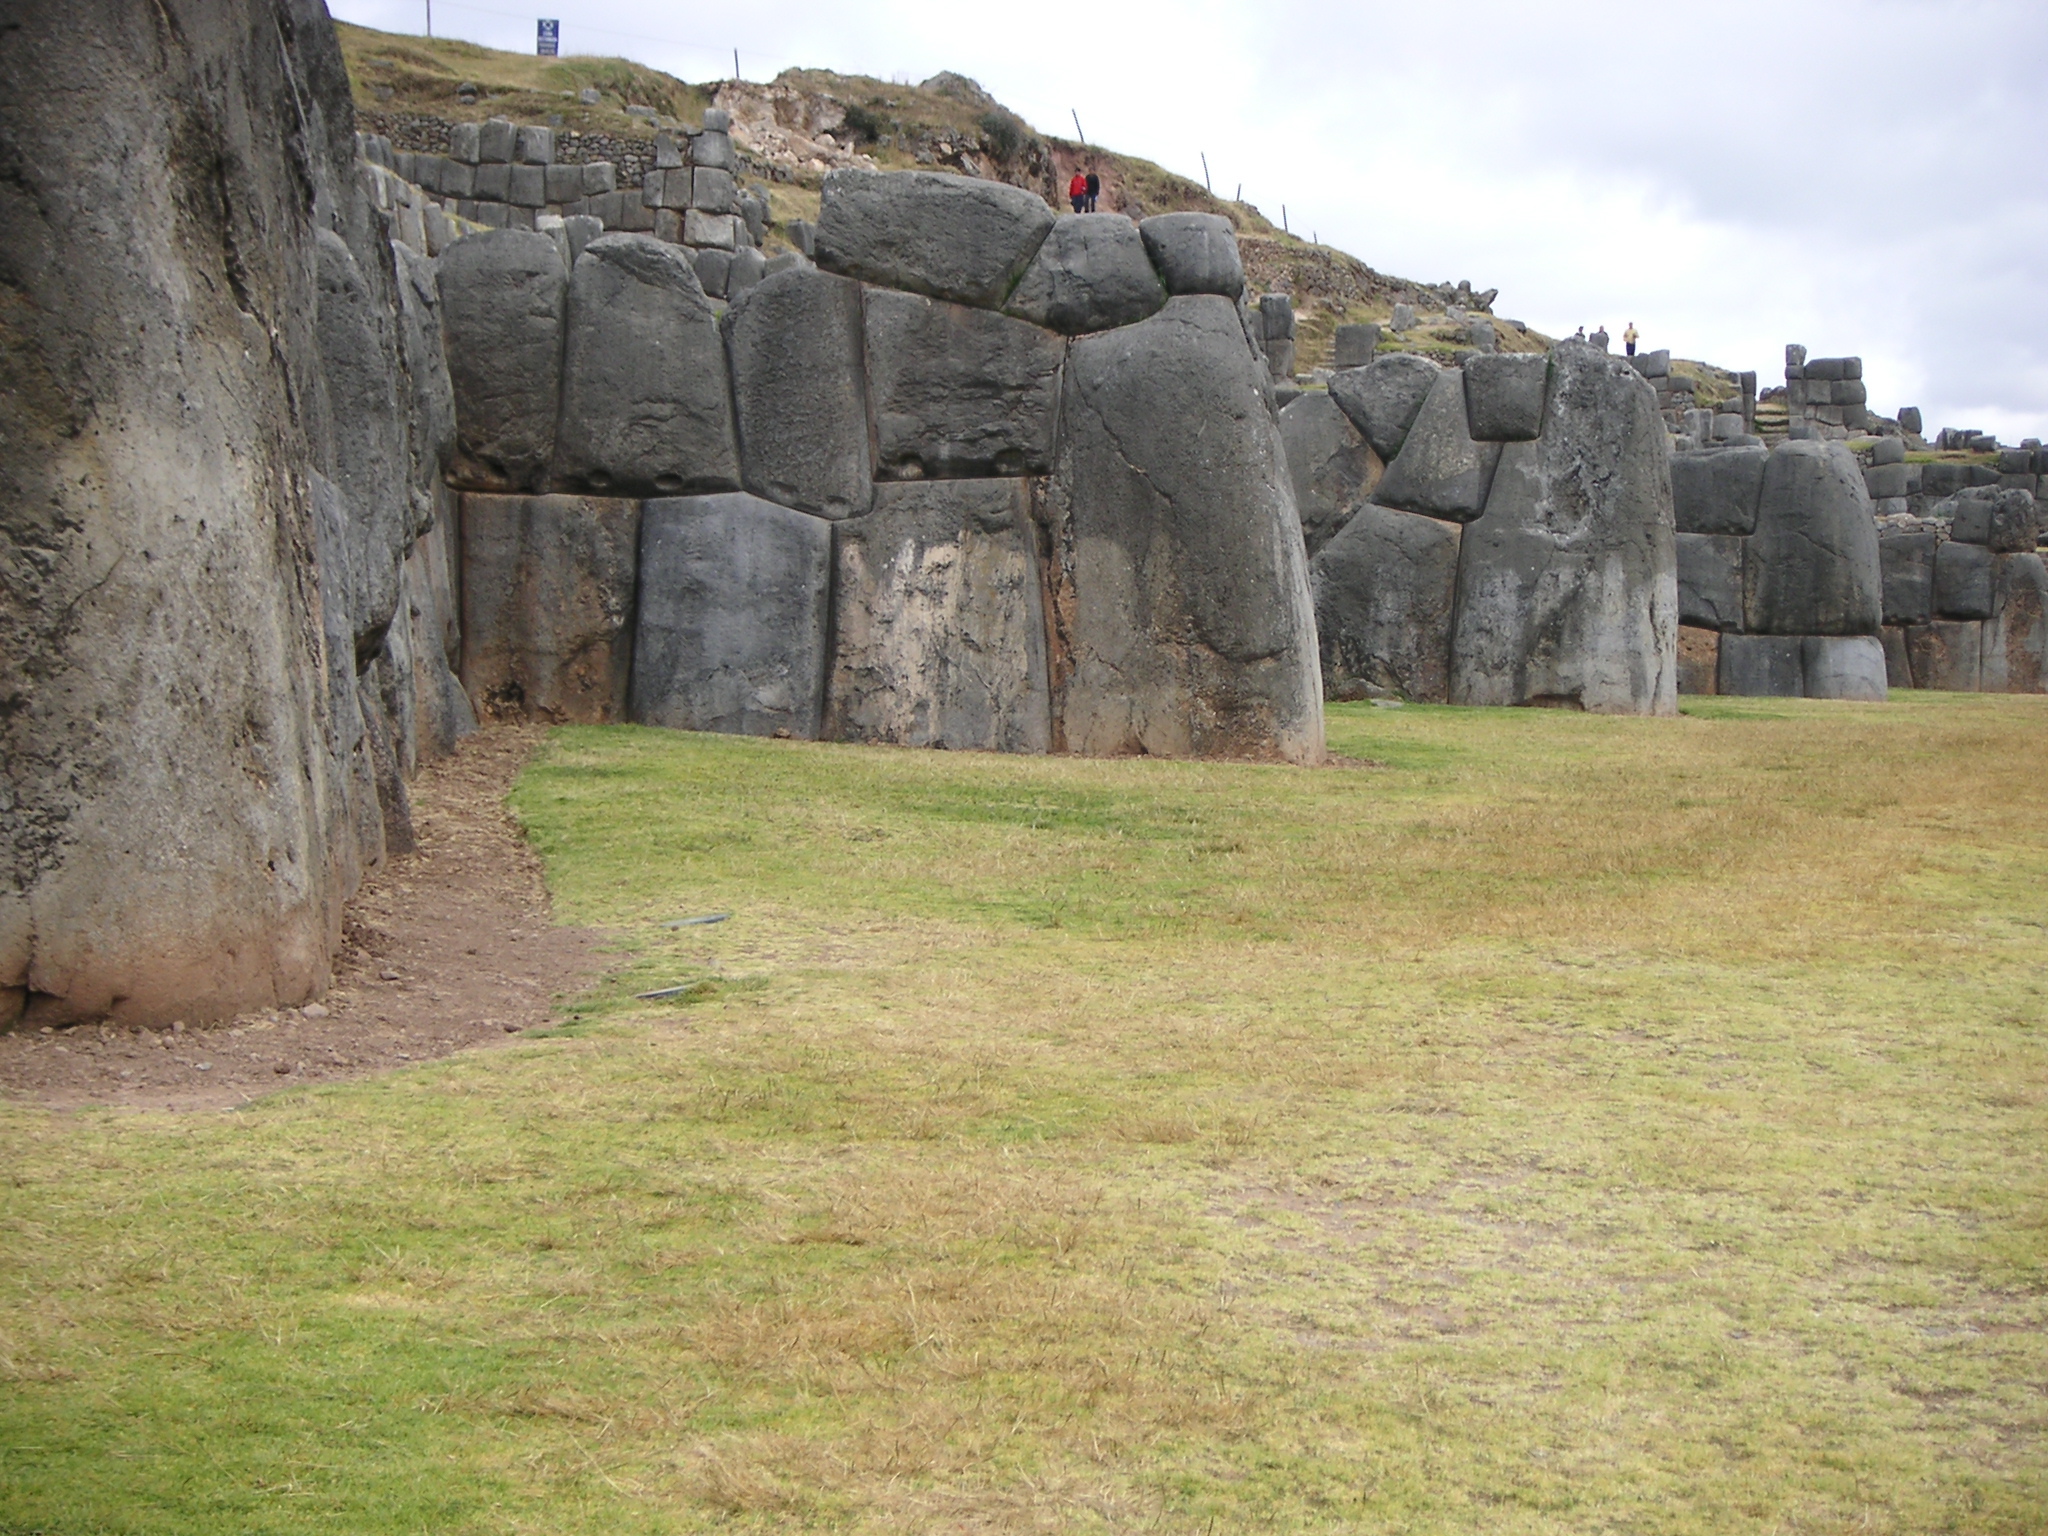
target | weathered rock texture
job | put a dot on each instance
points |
(958, 392)
(1567, 585)
(1092, 274)
(1385, 590)
(941, 625)
(1181, 600)
(503, 298)
(733, 613)
(1811, 567)
(796, 343)
(1440, 470)
(548, 588)
(952, 237)
(1332, 467)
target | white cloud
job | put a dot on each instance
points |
(1857, 175)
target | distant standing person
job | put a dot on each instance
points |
(1629, 338)
(1579, 334)
(1094, 190)
(1077, 192)
(1599, 338)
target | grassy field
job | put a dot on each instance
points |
(1559, 1124)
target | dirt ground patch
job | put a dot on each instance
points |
(447, 949)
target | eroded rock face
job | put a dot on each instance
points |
(1710, 580)
(2014, 654)
(733, 614)
(1385, 589)
(1181, 603)
(1332, 467)
(941, 632)
(950, 237)
(646, 407)
(1091, 274)
(958, 392)
(167, 796)
(1811, 567)
(796, 347)
(1384, 397)
(504, 296)
(548, 589)
(1440, 469)
(1568, 585)
(1906, 569)
(1718, 491)
(1946, 654)
(1194, 253)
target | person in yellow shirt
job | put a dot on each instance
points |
(1629, 338)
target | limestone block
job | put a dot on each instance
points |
(941, 628)
(458, 180)
(1898, 668)
(465, 143)
(599, 178)
(496, 141)
(716, 230)
(1811, 568)
(1883, 480)
(1181, 608)
(581, 229)
(1355, 345)
(668, 154)
(493, 181)
(503, 298)
(712, 149)
(1280, 359)
(1090, 274)
(2015, 640)
(529, 186)
(1194, 253)
(744, 274)
(1710, 580)
(949, 237)
(1440, 470)
(1962, 581)
(1385, 589)
(547, 606)
(1946, 655)
(1851, 392)
(1906, 565)
(714, 269)
(1699, 660)
(665, 189)
(1653, 365)
(564, 183)
(1479, 334)
(1843, 667)
(1330, 464)
(1888, 450)
(1384, 398)
(796, 345)
(1909, 419)
(635, 217)
(1729, 426)
(1828, 368)
(2013, 526)
(533, 145)
(1504, 395)
(958, 392)
(734, 595)
(716, 120)
(1970, 519)
(1403, 318)
(1762, 666)
(1568, 585)
(646, 408)
(712, 190)
(1276, 316)
(668, 226)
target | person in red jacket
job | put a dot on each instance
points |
(1077, 191)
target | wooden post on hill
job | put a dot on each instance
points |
(1205, 175)
(1077, 128)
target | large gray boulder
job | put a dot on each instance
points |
(734, 595)
(1906, 575)
(1194, 253)
(1946, 655)
(941, 631)
(1440, 469)
(1568, 585)
(371, 462)
(800, 390)
(1092, 274)
(1385, 590)
(1384, 397)
(1762, 666)
(547, 606)
(1717, 490)
(1843, 667)
(958, 392)
(1710, 580)
(504, 294)
(1330, 464)
(646, 405)
(1812, 568)
(952, 237)
(1504, 393)
(1962, 581)
(1182, 615)
(2015, 645)
(2004, 521)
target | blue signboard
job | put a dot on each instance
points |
(550, 42)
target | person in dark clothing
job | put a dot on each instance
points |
(1094, 190)
(1077, 192)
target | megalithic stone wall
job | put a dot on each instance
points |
(1040, 454)
(1518, 548)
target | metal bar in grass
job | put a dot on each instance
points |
(698, 922)
(666, 992)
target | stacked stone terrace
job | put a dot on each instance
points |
(978, 478)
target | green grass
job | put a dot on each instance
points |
(1569, 1124)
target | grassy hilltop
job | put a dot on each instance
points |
(1547, 1123)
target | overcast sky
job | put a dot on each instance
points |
(1863, 176)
